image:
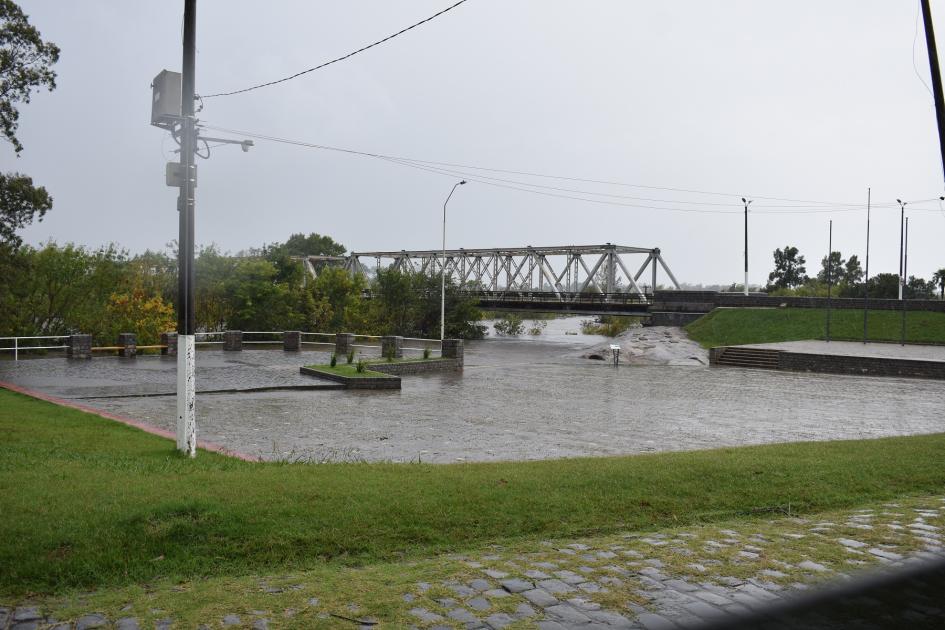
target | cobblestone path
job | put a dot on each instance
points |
(664, 580)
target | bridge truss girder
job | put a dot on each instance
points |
(555, 270)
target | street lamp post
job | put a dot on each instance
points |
(747, 203)
(902, 232)
(443, 266)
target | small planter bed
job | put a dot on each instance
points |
(351, 378)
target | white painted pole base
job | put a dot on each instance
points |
(186, 396)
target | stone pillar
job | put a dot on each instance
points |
(169, 339)
(344, 343)
(292, 340)
(233, 340)
(129, 345)
(80, 347)
(452, 349)
(392, 346)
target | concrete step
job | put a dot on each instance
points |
(761, 358)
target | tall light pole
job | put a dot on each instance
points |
(936, 76)
(902, 232)
(443, 266)
(747, 203)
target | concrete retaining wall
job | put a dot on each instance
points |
(352, 382)
(703, 301)
(418, 367)
(871, 366)
(664, 318)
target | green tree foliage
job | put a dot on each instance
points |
(852, 271)
(135, 311)
(25, 65)
(20, 203)
(837, 265)
(884, 286)
(789, 270)
(938, 278)
(919, 289)
(509, 325)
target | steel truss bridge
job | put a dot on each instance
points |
(571, 278)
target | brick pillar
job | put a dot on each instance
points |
(392, 346)
(80, 347)
(292, 340)
(233, 340)
(169, 339)
(344, 343)
(452, 349)
(129, 345)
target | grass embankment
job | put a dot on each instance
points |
(734, 326)
(87, 502)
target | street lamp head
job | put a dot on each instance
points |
(462, 182)
(744, 200)
(899, 201)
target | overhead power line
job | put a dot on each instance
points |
(447, 169)
(336, 60)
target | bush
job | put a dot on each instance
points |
(334, 359)
(350, 357)
(426, 353)
(509, 324)
(360, 366)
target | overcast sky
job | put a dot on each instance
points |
(801, 100)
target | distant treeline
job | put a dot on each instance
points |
(62, 289)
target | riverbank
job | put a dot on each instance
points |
(654, 345)
(739, 326)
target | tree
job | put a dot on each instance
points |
(25, 65)
(919, 289)
(789, 270)
(20, 203)
(884, 285)
(852, 272)
(146, 315)
(939, 278)
(837, 265)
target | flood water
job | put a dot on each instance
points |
(517, 399)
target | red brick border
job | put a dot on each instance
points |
(131, 422)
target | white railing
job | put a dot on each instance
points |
(16, 347)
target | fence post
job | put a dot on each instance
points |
(452, 349)
(344, 343)
(233, 340)
(129, 345)
(16, 348)
(392, 347)
(292, 340)
(80, 347)
(169, 339)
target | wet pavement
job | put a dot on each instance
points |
(516, 399)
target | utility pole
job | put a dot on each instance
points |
(866, 280)
(936, 77)
(186, 355)
(902, 232)
(747, 203)
(905, 270)
(829, 274)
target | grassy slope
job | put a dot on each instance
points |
(88, 502)
(732, 326)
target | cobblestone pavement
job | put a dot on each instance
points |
(655, 581)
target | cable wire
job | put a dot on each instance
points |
(814, 207)
(336, 60)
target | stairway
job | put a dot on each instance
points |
(740, 356)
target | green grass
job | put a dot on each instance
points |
(86, 502)
(348, 369)
(733, 326)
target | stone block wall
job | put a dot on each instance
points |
(292, 340)
(233, 340)
(675, 318)
(418, 367)
(392, 346)
(344, 343)
(129, 345)
(872, 366)
(169, 339)
(80, 347)
(452, 349)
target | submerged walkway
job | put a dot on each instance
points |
(658, 580)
